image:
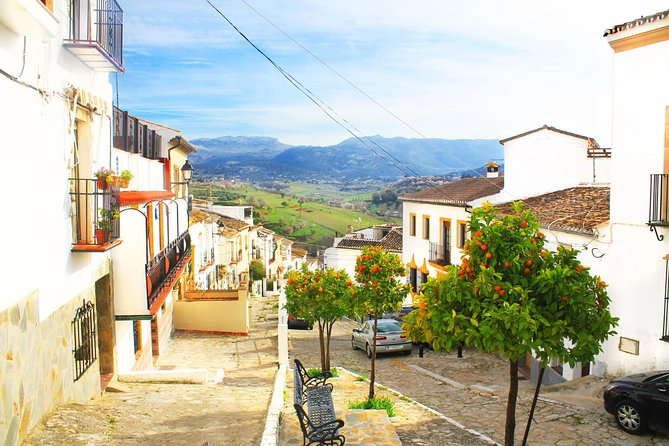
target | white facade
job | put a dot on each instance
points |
(47, 93)
(546, 160)
(640, 141)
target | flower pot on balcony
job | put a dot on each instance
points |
(114, 181)
(123, 182)
(102, 183)
(102, 236)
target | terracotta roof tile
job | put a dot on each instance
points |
(298, 252)
(391, 242)
(458, 192)
(637, 22)
(233, 223)
(548, 127)
(577, 209)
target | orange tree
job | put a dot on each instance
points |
(512, 297)
(322, 297)
(379, 289)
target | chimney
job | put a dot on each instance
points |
(492, 169)
(349, 229)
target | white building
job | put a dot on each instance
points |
(346, 249)
(636, 259)
(56, 115)
(435, 224)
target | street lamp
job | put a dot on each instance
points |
(187, 171)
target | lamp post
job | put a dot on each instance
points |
(187, 172)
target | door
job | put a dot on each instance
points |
(446, 241)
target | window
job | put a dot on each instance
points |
(426, 227)
(84, 340)
(446, 242)
(462, 234)
(412, 224)
(412, 280)
(137, 335)
(665, 322)
(422, 278)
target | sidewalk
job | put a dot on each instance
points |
(228, 414)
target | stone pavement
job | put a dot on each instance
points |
(563, 418)
(228, 414)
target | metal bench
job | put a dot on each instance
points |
(316, 380)
(320, 426)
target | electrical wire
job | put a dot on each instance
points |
(318, 102)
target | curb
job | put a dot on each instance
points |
(270, 436)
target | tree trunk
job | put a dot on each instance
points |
(328, 326)
(534, 405)
(510, 429)
(321, 339)
(373, 373)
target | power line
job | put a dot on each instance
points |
(317, 101)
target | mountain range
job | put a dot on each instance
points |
(255, 158)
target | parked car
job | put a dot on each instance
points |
(294, 322)
(399, 315)
(389, 337)
(640, 401)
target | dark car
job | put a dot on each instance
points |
(294, 322)
(640, 401)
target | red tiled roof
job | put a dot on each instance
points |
(232, 223)
(553, 129)
(458, 192)
(577, 209)
(637, 22)
(391, 242)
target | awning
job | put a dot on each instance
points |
(412, 263)
(423, 269)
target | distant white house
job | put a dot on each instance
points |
(346, 249)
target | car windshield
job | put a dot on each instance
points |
(387, 327)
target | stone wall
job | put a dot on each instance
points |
(36, 365)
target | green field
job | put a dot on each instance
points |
(313, 223)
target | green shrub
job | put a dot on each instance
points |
(382, 403)
(316, 371)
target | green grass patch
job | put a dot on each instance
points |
(376, 403)
(361, 378)
(316, 371)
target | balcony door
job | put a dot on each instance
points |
(445, 241)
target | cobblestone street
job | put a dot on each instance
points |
(481, 405)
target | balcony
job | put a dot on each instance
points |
(131, 136)
(90, 203)
(658, 209)
(96, 34)
(440, 254)
(162, 270)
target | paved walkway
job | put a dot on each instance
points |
(573, 416)
(228, 414)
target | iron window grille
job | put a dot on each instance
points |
(84, 338)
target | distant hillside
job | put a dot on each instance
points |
(263, 158)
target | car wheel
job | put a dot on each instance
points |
(630, 418)
(368, 348)
(353, 343)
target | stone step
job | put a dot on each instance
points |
(369, 428)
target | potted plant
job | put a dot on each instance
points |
(126, 176)
(104, 177)
(105, 224)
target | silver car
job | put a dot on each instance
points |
(389, 337)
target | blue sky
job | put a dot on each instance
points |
(451, 69)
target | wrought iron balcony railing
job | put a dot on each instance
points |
(162, 269)
(440, 254)
(95, 219)
(132, 136)
(658, 209)
(96, 34)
